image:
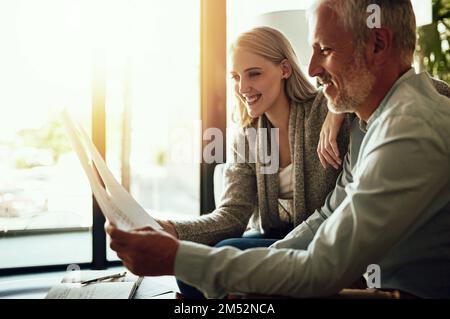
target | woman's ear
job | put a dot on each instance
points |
(286, 69)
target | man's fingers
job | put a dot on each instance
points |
(117, 246)
(128, 266)
(121, 250)
(120, 236)
(108, 224)
(124, 258)
(146, 228)
(109, 227)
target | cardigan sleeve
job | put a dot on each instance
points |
(236, 206)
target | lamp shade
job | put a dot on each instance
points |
(293, 24)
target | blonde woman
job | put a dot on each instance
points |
(272, 93)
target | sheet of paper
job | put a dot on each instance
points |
(116, 290)
(118, 206)
(151, 287)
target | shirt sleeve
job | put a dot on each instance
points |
(382, 204)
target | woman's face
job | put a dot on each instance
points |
(257, 82)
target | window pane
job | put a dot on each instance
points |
(45, 201)
(156, 75)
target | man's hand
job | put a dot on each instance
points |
(145, 252)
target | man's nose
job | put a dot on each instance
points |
(315, 69)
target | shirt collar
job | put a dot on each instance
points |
(362, 126)
(384, 102)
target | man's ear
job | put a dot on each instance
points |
(382, 45)
(286, 69)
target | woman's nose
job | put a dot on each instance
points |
(243, 87)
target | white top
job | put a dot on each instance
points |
(285, 193)
(286, 184)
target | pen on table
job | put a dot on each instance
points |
(114, 276)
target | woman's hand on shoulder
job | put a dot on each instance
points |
(328, 149)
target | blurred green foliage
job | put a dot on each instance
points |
(433, 53)
(51, 137)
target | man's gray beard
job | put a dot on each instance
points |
(357, 87)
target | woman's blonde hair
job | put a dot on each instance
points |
(272, 45)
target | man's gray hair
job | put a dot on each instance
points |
(396, 15)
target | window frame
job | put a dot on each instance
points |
(213, 88)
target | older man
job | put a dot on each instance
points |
(395, 211)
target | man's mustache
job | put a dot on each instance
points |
(324, 79)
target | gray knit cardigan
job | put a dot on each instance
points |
(250, 198)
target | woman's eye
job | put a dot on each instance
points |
(254, 74)
(235, 77)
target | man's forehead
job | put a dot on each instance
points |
(324, 25)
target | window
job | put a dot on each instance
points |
(148, 54)
(159, 81)
(153, 108)
(44, 197)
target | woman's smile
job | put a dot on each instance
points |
(252, 99)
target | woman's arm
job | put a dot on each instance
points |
(327, 149)
(231, 217)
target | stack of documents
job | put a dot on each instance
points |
(123, 287)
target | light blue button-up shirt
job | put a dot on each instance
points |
(394, 211)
